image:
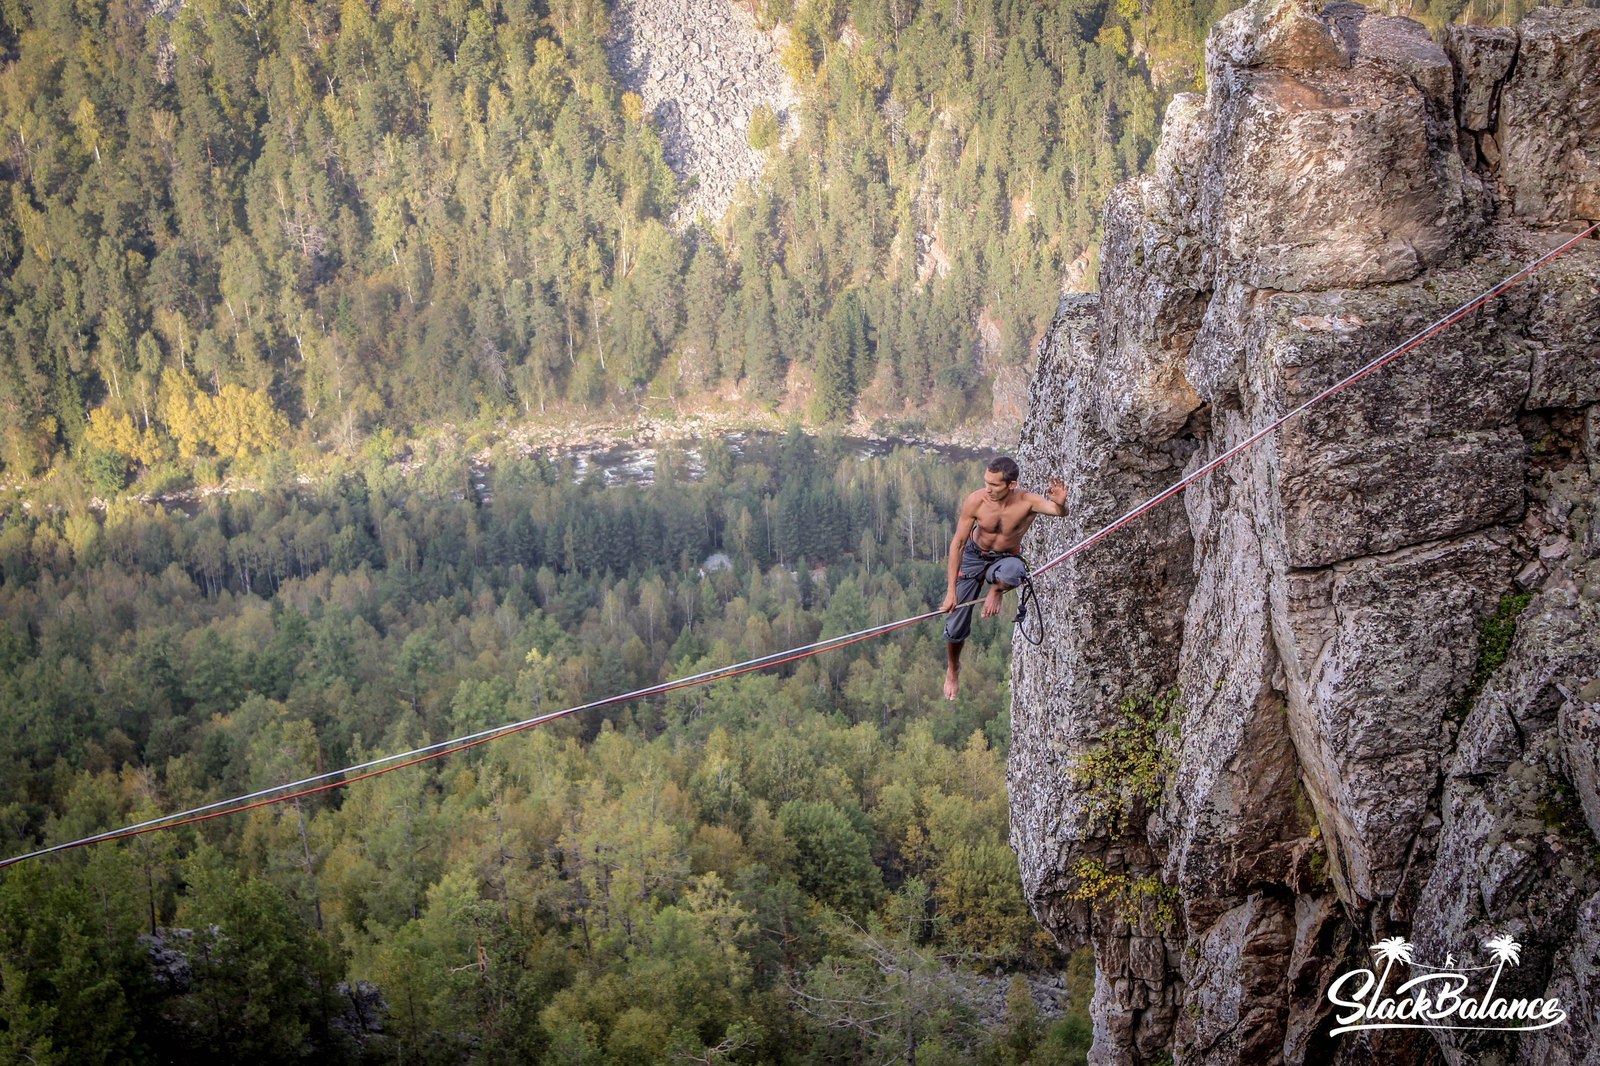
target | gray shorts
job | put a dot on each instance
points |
(977, 568)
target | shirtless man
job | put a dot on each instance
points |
(984, 549)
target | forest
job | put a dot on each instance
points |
(804, 865)
(225, 226)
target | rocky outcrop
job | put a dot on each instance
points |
(362, 1008)
(1352, 760)
(701, 67)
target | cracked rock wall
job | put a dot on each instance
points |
(1337, 775)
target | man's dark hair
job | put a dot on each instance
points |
(1005, 466)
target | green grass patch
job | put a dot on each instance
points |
(1493, 647)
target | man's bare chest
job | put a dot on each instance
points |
(998, 521)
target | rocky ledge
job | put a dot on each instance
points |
(1285, 716)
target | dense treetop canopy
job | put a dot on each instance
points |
(223, 220)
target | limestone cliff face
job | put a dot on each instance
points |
(1335, 775)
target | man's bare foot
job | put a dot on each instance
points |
(991, 602)
(951, 682)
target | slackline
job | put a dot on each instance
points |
(333, 779)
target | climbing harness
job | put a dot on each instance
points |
(1026, 601)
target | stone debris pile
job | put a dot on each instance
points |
(701, 68)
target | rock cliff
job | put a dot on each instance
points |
(1353, 751)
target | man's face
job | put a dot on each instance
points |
(996, 486)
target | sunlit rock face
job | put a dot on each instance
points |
(1354, 759)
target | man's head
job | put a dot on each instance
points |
(1000, 477)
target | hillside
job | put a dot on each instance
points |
(647, 881)
(228, 228)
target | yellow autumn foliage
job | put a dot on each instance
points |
(244, 422)
(118, 433)
(235, 423)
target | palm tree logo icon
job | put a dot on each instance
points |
(1504, 949)
(1390, 950)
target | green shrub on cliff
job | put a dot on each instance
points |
(1124, 776)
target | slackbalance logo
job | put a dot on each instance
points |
(1438, 997)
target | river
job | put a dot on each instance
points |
(635, 464)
